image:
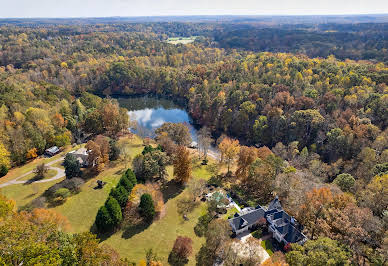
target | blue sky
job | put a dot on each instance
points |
(106, 8)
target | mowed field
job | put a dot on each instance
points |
(81, 209)
(181, 40)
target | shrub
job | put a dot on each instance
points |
(345, 182)
(114, 210)
(104, 221)
(61, 194)
(120, 194)
(257, 234)
(147, 208)
(203, 222)
(3, 170)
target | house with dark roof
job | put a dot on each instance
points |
(284, 228)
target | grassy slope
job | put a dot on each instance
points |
(81, 209)
(25, 193)
(160, 236)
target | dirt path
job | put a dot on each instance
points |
(60, 174)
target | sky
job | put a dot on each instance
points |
(108, 8)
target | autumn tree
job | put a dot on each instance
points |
(181, 250)
(229, 149)
(217, 238)
(98, 153)
(313, 211)
(376, 195)
(182, 165)
(323, 251)
(260, 182)
(246, 157)
(178, 132)
(5, 162)
(345, 182)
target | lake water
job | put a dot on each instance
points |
(151, 112)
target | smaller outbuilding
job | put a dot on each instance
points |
(52, 151)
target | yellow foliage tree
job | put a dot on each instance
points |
(4, 156)
(229, 149)
(31, 154)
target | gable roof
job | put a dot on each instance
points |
(246, 219)
(275, 204)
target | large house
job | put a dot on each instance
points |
(283, 227)
(81, 155)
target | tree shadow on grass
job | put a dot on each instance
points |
(101, 236)
(132, 230)
(171, 189)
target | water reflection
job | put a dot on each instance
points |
(150, 113)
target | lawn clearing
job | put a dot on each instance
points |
(25, 193)
(160, 235)
(50, 173)
(181, 40)
(81, 209)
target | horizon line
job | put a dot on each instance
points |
(207, 15)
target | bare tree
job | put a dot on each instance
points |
(204, 141)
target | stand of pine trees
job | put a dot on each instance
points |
(110, 215)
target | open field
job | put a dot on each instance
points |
(81, 209)
(25, 193)
(182, 40)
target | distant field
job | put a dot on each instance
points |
(182, 40)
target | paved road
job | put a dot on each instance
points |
(60, 174)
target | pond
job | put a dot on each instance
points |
(151, 112)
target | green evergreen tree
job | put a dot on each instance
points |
(146, 207)
(128, 185)
(104, 221)
(120, 194)
(114, 210)
(131, 176)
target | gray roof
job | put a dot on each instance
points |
(246, 219)
(275, 204)
(277, 218)
(53, 149)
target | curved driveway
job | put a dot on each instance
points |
(60, 174)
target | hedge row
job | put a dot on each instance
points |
(110, 215)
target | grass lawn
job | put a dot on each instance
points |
(267, 245)
(81, 209)
(25, 193)
(160, 235)
(230, 213)
(50, 173)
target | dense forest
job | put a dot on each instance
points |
(317, 96)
